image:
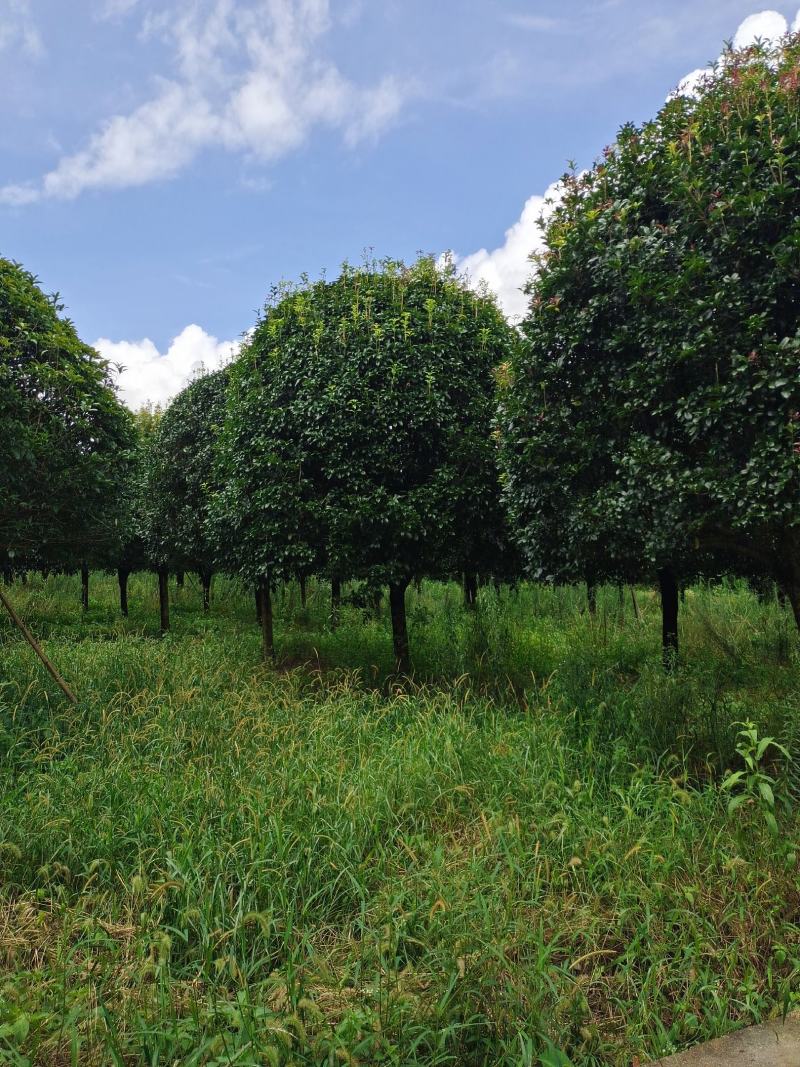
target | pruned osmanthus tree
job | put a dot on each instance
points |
(650, 422)
(358, 440)
(132, 553)
(180, 482)
(66, 440)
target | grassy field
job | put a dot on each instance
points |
(523, 858)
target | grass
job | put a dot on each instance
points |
(522, 858)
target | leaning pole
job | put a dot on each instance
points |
(37, 648)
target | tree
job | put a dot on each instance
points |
(66, 440)
(649, 419)
(180, 479)
(358, 441)
(133, 552)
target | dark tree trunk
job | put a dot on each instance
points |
(376, 603)
(591, 595)
(8, 576)
(397, 604)
(668, 584)
(303, 592)
(470, 589)
(205, 581)
(122, 578)
(23, 577)
(84, 587)
(336, 601)
(267, 636)
(179, 579)
(163, 598)
(793, 596)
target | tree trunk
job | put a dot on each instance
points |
(205, 581)
(179, 579)
(376, 603)
(122, 578)
(8, 576)
(470, 590)
(258, 604)
(397, 604)
(84, 587)
(267, 636)
(591, 595)
(303, 592)
(793, 596)
(336, 601)
(636, 612)
(163, 598)
(668, 584)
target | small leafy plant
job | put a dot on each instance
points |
(753, 785)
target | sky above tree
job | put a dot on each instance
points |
(164, 162)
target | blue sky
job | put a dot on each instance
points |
(164, 162)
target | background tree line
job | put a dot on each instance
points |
(643, 424)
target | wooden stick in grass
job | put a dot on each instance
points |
(37, 648)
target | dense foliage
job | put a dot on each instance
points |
(651, 419)
(66, 439)
(180, 478)
(358, 442)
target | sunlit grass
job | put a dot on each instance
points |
(209, 861)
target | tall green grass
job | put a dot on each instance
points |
(522, 857)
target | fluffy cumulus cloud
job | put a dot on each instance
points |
(248, 76)
(766, 26)
(146, 376)
(506, 269)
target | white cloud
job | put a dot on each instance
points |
(767, 26)
(18, 29)
(506, 269)
(248, 77)
(151, 377)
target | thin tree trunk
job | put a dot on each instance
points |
(179, 579)
(793, 596)
(591, 595)
(303, 592)
(122, 578)
(267, 636)
(84, 587)
(336, 601)
(636, 612)
(8, 576)
(470, 589)
(163, 598)
(37, 648)
(397, 604)
(668, 584)
(376, 603)
(205, 581)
